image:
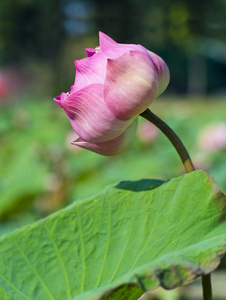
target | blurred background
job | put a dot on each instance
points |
(40, 172)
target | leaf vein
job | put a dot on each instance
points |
(34, 271)
(83, 251)
(126, 245)
(145, 245)
(107, 247)
(14, 287)
(60, 259)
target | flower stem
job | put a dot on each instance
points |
(188, 165)
(206, 287)
(174, 139)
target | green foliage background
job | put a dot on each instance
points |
(41, 172)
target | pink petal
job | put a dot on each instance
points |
(112, 49)
(90, 51)
(112, 147)
(131, 84)
(90, 70)
(162, 71)
(89, 115)
(106, 41)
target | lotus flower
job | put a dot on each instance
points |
(113, 85)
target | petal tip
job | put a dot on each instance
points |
(59, 99)
(90, 52)
(105, 41)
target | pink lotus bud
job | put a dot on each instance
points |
(113, 85)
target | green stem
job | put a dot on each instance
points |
(206, 287)
(188, 165)
(174, 139)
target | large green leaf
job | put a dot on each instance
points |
(132, 237)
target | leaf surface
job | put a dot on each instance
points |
(134, 236)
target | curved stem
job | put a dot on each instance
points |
(174, 139)
(188, 165)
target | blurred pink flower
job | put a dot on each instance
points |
(2, 87)
(11, 78)
(213, 137)
(113, 85)
(147, 132)
(201, 161)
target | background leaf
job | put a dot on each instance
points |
(134, 236)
